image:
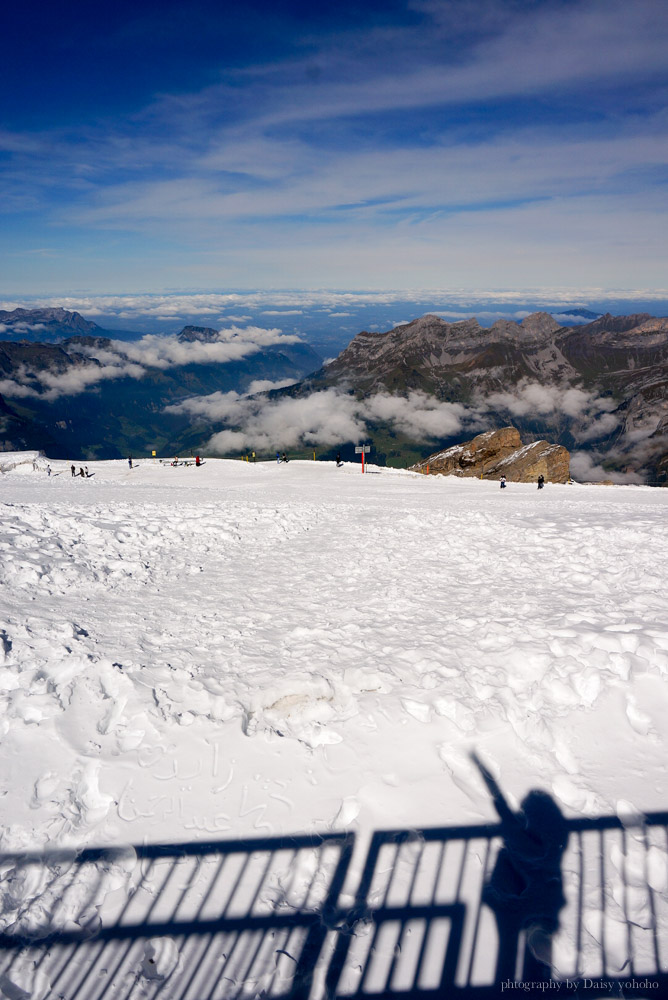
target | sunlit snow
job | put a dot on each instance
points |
(286, 668)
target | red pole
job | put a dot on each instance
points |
(362, 459)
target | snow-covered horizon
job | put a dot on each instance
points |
(258, 653)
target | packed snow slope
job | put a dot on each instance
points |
(244, 650)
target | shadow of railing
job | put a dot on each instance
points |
(299, 917)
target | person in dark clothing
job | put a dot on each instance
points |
(130, 460)
(73, 470)
(541, 482)
(338, 459)
(284, 458)
(82, 473)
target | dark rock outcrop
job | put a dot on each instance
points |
(501, 453)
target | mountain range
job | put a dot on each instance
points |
(50, 325)
(602, 386)
(91, 396)
(599, 389)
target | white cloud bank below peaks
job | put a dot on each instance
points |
(160, 351)
(122, 359)
(324, 418)
(332, 416)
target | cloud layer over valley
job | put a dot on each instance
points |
(334, 417)
(121, 359)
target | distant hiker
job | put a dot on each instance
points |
(198, 461)
(48, 470)
(82, 473)
(278, 457)
(73, 470)
(339, 463)
(541, 482)
(130, 460)
(176, 461)
(87, 473)
(285, 458)
(503, 482)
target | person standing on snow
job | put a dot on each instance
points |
(503, 482)
(73, 470)
(130, 460)
(541, 481)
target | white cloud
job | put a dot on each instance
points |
(51, 385)
(324, 418)
(592, 412)
(158, 351)
(16, 390)
(451, 203)
(185, 306)
(266, 384)
(418, 415)
(121, 359)
(598, 428)
(331, 416)
(586, 467)
(80, 378)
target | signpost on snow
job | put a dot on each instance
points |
(362, 449)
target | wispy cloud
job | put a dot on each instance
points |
(322, 418)
(51, 385)
(155, 351)
(526, 141)
(331, 416)
(214, 307)
(120, 359)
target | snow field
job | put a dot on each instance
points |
(241, 651)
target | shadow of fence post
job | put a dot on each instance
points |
(265, 916)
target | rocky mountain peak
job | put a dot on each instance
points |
(540, 324)
(204, 334)
(53, 315)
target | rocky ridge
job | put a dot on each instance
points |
(499, 453)
(44, 324)
(618, 364)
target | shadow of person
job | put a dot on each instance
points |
(525, 889)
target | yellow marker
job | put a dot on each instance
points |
(153, 453)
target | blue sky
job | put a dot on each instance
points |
(472, 144)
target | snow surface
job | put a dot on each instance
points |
(250, 652)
